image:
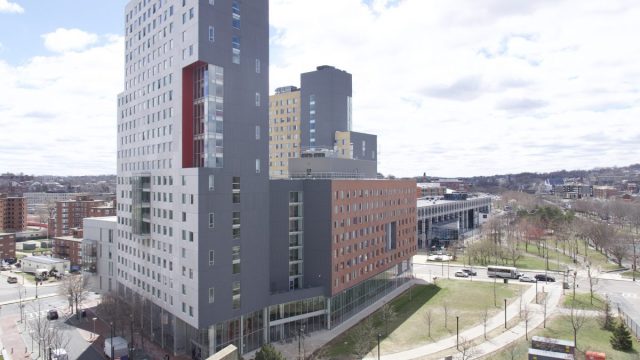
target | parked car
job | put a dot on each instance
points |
(527, 279)
(52, 314)
(470, 272)
(461, 274)
(5, 268)
(12, 279)
(543, 277)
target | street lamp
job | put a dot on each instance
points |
(536, 291)
(379, 336)
(94, 326)
(457, 331)
(112, 336)
(505, 313)
(31, 336)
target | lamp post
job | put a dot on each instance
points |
(505, 313)
(112, 336)
(94, 326)
(131, 318)
(536, 291)
(36, 287)
(457, 331)
(31, 336)
(379, 336)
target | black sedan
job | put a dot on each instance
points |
(543, 277)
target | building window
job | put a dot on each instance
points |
(191, 13)
(235, 259)
(191, 311)
(235, 294)
(211, 220)
(235, 9)
(211, 258)
(212, 183)
(257, 66)
(257, 166)
(211, 295)
(235, 48)
(212, 34)
(236, 190)
(235, 232)
(257, 132)
(258, 99)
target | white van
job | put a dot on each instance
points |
(120, 347)
(59, 354)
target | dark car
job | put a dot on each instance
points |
(543, 277)
(52, 314)
(470, 272)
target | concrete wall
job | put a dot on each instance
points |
(347, 167)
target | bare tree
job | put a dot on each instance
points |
(526, 315)
(467, 349)
(389, 315)
(445, 308)
(577, 318)
(513, 352)
(362, 338)
(49, 335)
(75, 288)
(600, 234)
(511, 248)
(620, 246)
(428, 318)
(114, 310)
(485, 320)
(593, 281)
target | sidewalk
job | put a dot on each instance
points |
(25, 300)
(478, 331)
(12, 340)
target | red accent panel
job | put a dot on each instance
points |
(187, 117)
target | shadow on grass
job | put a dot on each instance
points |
(403, 307)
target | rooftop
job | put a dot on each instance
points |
(44, 259)
(439, 201)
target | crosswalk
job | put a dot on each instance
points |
(35, 314)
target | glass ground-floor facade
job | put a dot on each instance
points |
(275, 323)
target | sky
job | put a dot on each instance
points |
(451, 88)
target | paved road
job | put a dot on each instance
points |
(78, 347)
(9, 292)
(443, 270)
(626, 294)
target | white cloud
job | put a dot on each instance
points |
(457, 88)
(63, 40)
(58, 113)
(10, 7)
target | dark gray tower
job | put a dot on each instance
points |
(326, 106)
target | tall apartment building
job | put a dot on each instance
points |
(7, 246)
(193, 244)
(68, 214)
(315, 119)
(192, 187)
(284, 130)
(13, 213)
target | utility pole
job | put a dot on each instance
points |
(379, 336)
(457, 332)
(505, 313)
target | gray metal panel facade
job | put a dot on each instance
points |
(241, 149)
(365, 146)
(332, 88)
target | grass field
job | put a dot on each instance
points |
(629, 274)
(583, 301)
(464, 299)
(590, 337)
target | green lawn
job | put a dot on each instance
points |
(465, 299)
(590, 337)
(583, 301)
(629, 274)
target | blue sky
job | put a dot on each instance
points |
(21, 34)
(452, 88)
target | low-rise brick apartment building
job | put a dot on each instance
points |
(68, 214)
(13, 213)
(7, 246)
(69, 247)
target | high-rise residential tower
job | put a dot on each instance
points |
(192, 189)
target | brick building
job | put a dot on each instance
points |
(69, 214)
(13, 213)
(7, 246)
(69, 247)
